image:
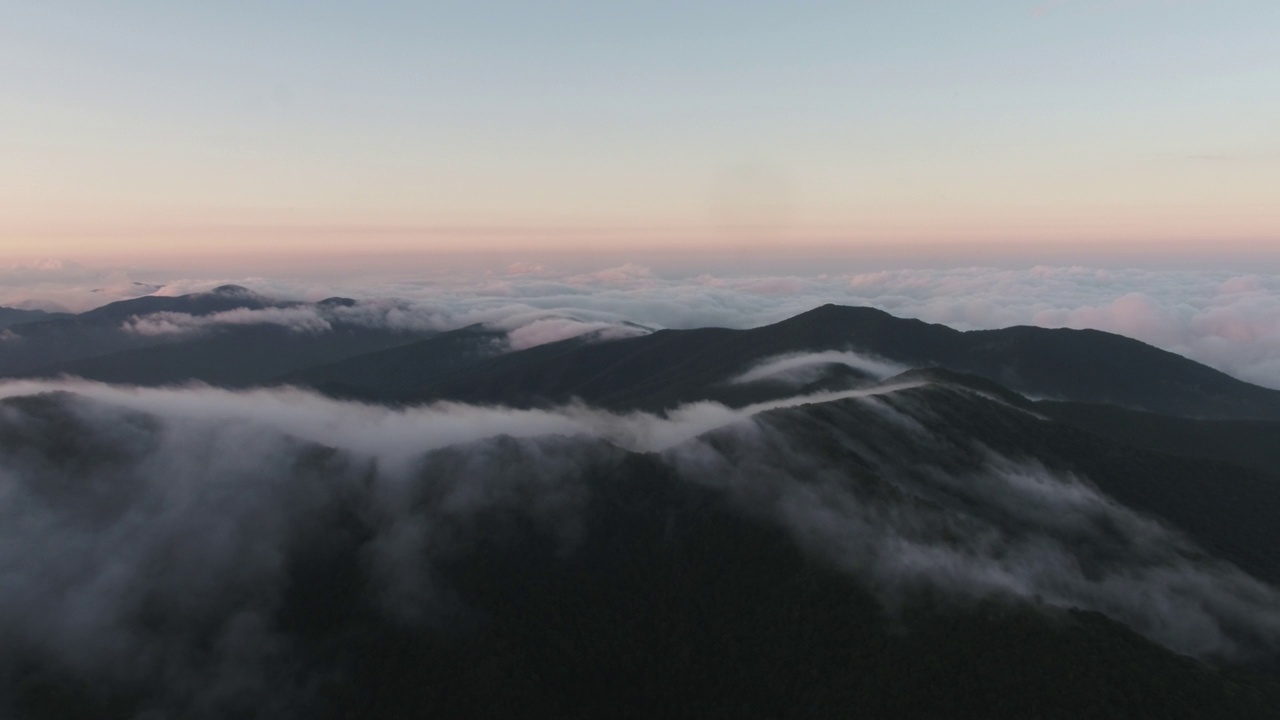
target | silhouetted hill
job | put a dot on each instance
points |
(35, 345)
(17, 316)
(1079, 365)
(1098, 367)
(101, 345)
(1248, 443)
(220, 299)
(657, 371)
(670, 367)
(654, 371)
(384, 375)
(229, 356)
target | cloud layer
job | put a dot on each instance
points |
(1230, 321)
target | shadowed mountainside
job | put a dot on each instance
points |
(656, 371)
(98, 345)
(231, 356)
(17, 316)
(373, 376)
(1249, 443)
(670, 367)
(587, 580)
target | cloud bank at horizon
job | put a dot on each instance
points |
(1230, 321)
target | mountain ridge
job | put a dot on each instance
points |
(653, 372)
(669, 367)
(570, 577)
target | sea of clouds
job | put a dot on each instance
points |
(1228, 320)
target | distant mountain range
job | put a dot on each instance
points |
(17, 316)
(841, 514)
(670, 367)
(102, 345)
(653, 371)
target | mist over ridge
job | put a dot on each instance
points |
(254, 488)
(1222, 318)
(195, 503)
(269, 488)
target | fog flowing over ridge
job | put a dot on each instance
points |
(799, 368)
(524, 327)
(923, 505)
(401, 434)
(151, 533)
(1226, 320)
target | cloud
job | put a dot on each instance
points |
(524, 268)
(297, 319)
(397, 434)
(1226, 320)
(525, 328)
(61, 285)
(629, 274)
(1223, 319)
(549, 330)
(889, 492)
(777, 286)
(800, 368)
(151, 539)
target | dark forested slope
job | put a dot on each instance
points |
(775, 567)
(670, 367)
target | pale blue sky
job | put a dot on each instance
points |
(236, 123)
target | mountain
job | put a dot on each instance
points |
(241, 356)
(1226, 507)
(929, 547)
(118, 343)
(164, 340)
(1249, 443)
(35, 345)
(667, 368)
(381, 375)
(841, 512)
(219, 299)
(17, 316)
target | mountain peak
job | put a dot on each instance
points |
(231, 290)
(836, 309)
(861, 315)
(337, 302)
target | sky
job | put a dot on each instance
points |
(261, 136)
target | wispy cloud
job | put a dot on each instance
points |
(151, 532)
(799, 368)
(1224, 319)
